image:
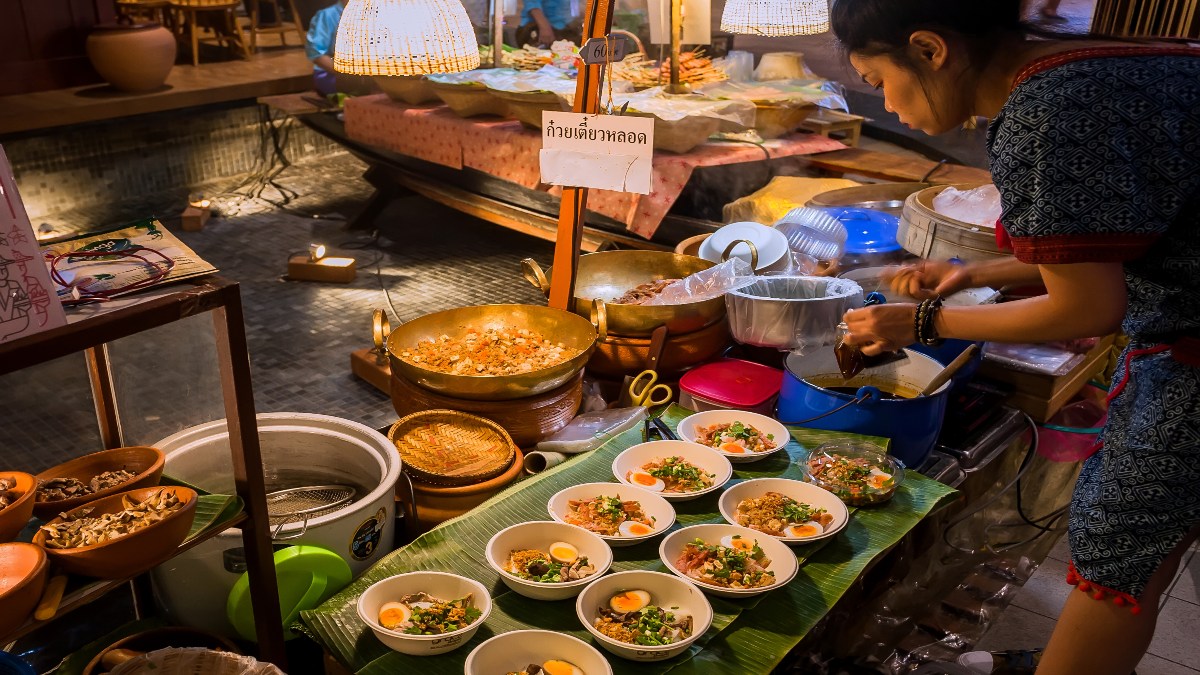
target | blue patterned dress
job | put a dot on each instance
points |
(1097, 158)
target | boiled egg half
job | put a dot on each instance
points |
(556, 667)
(562, 552)
(810, 529)
(877, 479)
(737, 542)
(734, 448)
(393, 614)
(629, 601)
(645, 481)
(632, 528)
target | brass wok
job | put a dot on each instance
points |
(575, 332)
(609, 274)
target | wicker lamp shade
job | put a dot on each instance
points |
(405, 37)
(775, 18)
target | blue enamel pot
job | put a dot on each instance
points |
(912, 424)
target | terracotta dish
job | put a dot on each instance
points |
(14, 517)
(146, 462)
(134, 553)
(23, 569)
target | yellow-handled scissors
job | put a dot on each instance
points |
(645, 391)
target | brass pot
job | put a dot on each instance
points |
(609, 274)
(617, 357)
(573, 331)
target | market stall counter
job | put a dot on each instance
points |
(750, 634)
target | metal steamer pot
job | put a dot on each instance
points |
(298, 449)
(575, 332)
(913, 424)
(608, 275)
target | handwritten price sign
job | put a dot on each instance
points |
(606, 152)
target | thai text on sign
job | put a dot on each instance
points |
(607, 152)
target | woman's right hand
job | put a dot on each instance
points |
(929, 278)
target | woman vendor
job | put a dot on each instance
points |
(1095, 148)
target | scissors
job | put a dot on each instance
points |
(644, 388)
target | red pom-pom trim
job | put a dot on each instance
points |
(1099, 592)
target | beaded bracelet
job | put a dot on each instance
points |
(926, 331)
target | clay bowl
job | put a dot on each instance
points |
(15, 516)
(146, 462)
(437, 503)
(23, 570)
(135, 552)
(162, 638)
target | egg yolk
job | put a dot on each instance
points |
(644, 479)
(804, 531)
(638, 529)
(742, 544)
(392, 617)
(733, 448)
(626, 602)
(877, 481)
(558, 668)
(563, 554)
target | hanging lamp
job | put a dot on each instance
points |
(405, 37)
(775, 18)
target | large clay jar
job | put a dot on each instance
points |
(134, 57)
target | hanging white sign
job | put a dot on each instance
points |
(606, 152)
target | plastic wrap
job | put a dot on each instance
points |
(713, 282)
(478, 76)
(547, 79)
(195, 661)
(739, 65)
(672, 108)
(791, 313)
(1033, 358)
(977, 206)
(818, 92)
(591, 430)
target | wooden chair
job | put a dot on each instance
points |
(218, 15)
(146, 10)
(279, 26)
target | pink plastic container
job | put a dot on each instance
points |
(731, 384)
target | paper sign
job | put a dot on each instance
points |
(607, 152)
(595, 51)
(27, 303)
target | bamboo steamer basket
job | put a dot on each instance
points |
(886, 197)
(527, 420)
(617, 356)
(451, 448)
(926, 233)
(609, 274)
(469, 100)
(527, 106)
(411, 89)
(772, 120)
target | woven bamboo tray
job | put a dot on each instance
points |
(773, 121)
(681, 135)
(447, 447)
(527, 420)
(470, 100)
(412, 89)
(527, 106)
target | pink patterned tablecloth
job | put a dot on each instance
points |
(506, 150)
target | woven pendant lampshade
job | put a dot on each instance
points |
(775, 18)
(405, 37)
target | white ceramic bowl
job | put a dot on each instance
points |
(512, 651)
(659, 510)
(782, 560)
(688, 430)
(665, 591)
(539, 535)
(805, 493)
(438, 584)
(708, 460)
(772, 245)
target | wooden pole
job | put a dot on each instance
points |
(597, 24)
(676, 47)
(497, 33)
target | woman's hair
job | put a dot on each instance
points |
(878, 27)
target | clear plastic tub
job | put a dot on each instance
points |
(871, 489)
(813, 232)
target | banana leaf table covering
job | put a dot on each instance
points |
(747, 635)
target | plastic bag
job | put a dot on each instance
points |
(713, 282)
(195, 661)
(977, 206)
(791, 313)
(1033, 358)
(547, 79)
(671, 107)
(739, 65)
(818, 92)
(591, 430)
(477, 76)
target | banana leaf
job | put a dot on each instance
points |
(747, 635)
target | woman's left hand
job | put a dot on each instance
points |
(881, 328)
